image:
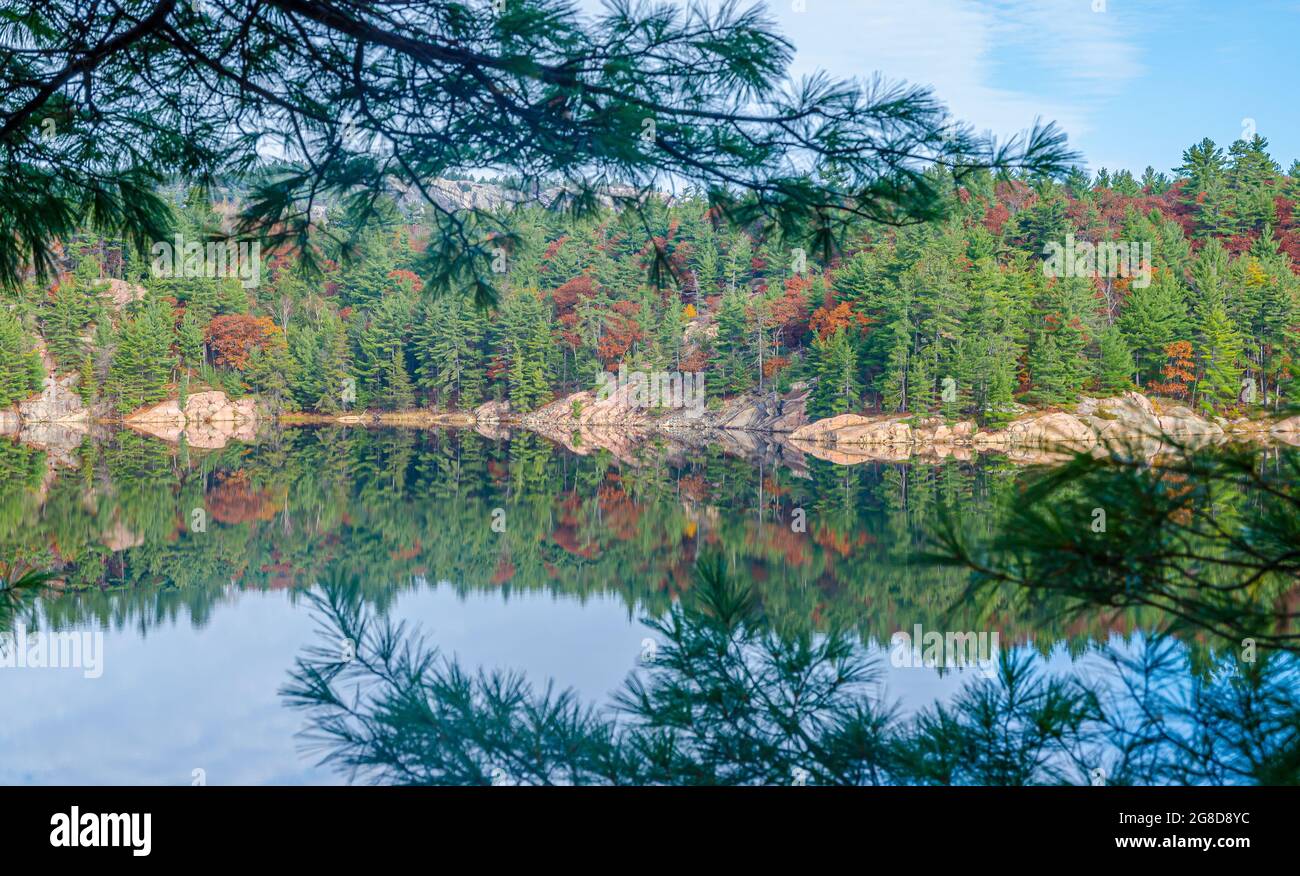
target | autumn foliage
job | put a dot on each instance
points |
(827, 320)
(1180, 372)
(233, 336)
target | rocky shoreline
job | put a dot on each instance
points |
(751, 425)
(1133, 419)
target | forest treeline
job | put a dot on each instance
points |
(957, 316)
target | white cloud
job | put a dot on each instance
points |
(997, 64)
(1059, 60)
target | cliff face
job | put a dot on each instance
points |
(458, 194)
(57, 402)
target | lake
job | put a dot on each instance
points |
(207, 592)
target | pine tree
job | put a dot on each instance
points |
(1114, 362)
(377, 334)
(1203, 165)
(1155, 317)
(142, 363)
(729, 371)
(21, 372)
(190, 340)
(1220, 382)
(63, 322)
(1214, 217)
(398, 391)
(267, 373)
(895, 382)
(999, 408)
(1048, 371)
(335, 377)
(1058, 362)
(668, 336)
(524, 318)
(448, 351)
(922, 381)
(1252, 176)
(1045, 222)
(836, 367)
(88, 381)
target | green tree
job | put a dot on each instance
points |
(142, 362)
(729, 369)
(1156, 316)
(63, 322)
(190, 340)
(836, 366)
(1115, 366)
(524, 319)
(399, 394)
(1220, 382)
(449, 351)
(21, 371)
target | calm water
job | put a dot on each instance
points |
(204, 573)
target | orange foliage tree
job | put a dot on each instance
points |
(233, 336)
(827, 320)
(1179, 372)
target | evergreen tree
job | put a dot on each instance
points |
(729, 370)
(1045, 222)
(448, 350)
(267, 373)
(190, 340)
(895, 382)
(836, 367)
(21, 372)
(378, 332)
(998, 408)
(63, 322)
(1155, 317)
(1252, 177)
(1050, 371)
(142, 363)
(1220, 382)
(1203, 165)
(1114, 362)
(399, 394)
(333, 367)
(527, 329)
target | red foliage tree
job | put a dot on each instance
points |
(407, 279)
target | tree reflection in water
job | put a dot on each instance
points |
(18, 589)
(727, 700)
(1202, 542)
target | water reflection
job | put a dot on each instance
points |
(823, 564)
(836, 547)
(725, 699)
(1206, 543)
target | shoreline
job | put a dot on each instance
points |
(768, 426)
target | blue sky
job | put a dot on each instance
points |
(1133, 84)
